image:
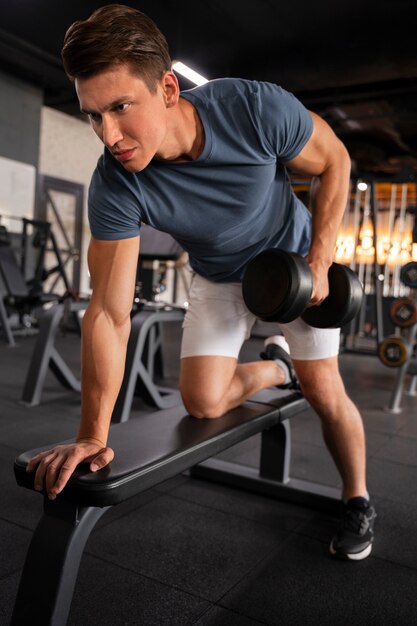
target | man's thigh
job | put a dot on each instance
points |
(217, 321)
(310, 344)
(216, 324)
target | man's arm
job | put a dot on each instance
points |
(106, 327)
(325, 157)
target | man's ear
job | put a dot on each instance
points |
(170, 89)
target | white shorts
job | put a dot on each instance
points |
(217, 323)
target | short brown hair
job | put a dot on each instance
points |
(116, 34)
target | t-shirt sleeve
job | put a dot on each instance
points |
(285, 122)
(113, 203)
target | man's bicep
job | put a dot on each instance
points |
(113, 266)
(321, 151)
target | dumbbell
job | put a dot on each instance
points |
(277, 287)
(394, 351)
(403, 312)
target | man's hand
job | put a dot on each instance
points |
(319, 272)
(55, 466)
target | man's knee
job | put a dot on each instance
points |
(317, 394)
(325, 390)
(204, 384)
(202, 405)
(201, 411)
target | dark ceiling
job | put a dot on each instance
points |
(352, 61)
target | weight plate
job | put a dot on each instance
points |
(408, 274)
(403, 312)
(343, 302)
(393, 351)
(277, 285)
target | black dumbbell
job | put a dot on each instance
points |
(277, 287)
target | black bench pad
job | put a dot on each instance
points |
(152, 448)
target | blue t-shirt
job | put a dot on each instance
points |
(232, 202)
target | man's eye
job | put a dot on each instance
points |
(122, 107)
(94, 117)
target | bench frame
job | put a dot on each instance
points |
(52, 562)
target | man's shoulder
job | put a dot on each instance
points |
(114, 203)
(225, 89)
(222, 88)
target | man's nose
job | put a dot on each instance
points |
(111, 132)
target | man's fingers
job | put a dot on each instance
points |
(63, 477)
(55, 467)
(42, 468)
(103, 458)
(36, 459)
(100, 460)
(59, 470)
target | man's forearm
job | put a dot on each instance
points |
(329, 193)
(103, 361)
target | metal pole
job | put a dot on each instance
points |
(377, 282)
(391, 220)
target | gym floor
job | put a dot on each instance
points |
(193, 552)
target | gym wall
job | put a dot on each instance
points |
(56, 144)
(69, 151)
(20, 110)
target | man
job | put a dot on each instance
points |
(209, 166)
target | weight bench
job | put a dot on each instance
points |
(18, 296)
(149, 450)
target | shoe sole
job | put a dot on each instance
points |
(358, 556)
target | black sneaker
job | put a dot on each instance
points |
(353, 541)
(272, 352)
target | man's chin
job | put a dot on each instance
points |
(133, 166)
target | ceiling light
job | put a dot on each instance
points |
(186, 71)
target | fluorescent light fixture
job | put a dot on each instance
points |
(186, 71)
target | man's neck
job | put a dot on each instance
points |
(188, 137)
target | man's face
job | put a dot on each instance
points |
(128, 118)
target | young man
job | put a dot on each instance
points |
(209, 166)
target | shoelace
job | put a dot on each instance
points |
(356, 522)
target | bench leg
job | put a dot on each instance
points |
(276, 453)
(273, 477)
(46, 356)
(4, 322)
(41, 355)
(51, 566)
(142, 338)
(62, 372)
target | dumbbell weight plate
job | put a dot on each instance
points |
(393, 351)
(277, 285)
(343, 302)
(408, 274)
(403, 312)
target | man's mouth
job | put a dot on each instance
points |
(124, 155)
